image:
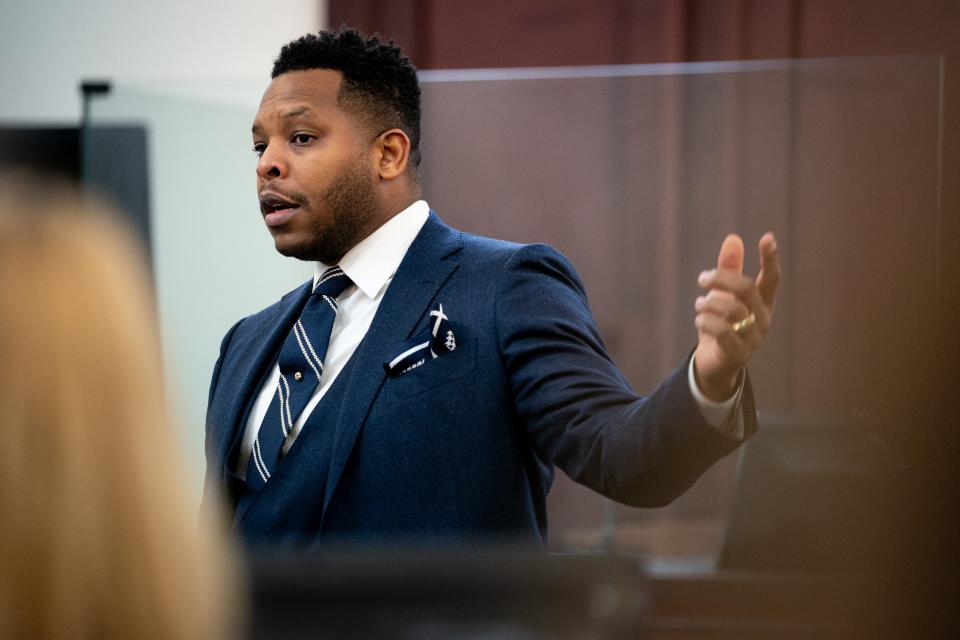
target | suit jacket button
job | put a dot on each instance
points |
(298, 376)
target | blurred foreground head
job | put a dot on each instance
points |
(99, 537)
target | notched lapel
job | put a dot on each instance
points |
(429, 262)
(256, 353)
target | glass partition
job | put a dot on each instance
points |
(636, 173)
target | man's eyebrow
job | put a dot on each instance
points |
(292, 113)
(299, 111)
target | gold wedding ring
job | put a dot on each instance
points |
(742, 326)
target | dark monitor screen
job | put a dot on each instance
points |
(812, 495)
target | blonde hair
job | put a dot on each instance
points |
(98, 536)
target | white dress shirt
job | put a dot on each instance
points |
(371, 265)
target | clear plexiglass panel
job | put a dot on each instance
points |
(636, 173)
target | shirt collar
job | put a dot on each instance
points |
(373, 261)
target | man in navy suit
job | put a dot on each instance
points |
(460, 370)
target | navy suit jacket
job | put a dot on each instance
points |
(463, 448)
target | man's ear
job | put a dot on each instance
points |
(393, 147)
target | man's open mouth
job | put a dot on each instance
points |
(271, 202)
(276, 209)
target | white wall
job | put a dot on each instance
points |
(48, 46)
(191, 72)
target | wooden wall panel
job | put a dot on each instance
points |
(499, 33)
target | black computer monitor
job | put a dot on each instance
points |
(813, 495)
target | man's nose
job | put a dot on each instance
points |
(272, 164)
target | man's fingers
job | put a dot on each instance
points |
(743, 288)
(721, 331)
(731, 254)
(769, 276)
(722, 304)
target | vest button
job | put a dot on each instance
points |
(298, 376)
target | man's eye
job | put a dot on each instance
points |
(259, 149)
(302, 138)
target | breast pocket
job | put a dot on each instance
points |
(434, 372)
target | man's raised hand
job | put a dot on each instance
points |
(734, 315)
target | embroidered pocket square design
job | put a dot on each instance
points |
(432, 342)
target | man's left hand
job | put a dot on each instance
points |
(734, 315)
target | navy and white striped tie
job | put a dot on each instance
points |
(301, 369)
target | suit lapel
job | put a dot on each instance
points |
(427, 265)
(258, 354)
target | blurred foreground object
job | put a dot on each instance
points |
(503, 594)
(99, 539)
(418, 595)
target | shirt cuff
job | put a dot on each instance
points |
(725, 416)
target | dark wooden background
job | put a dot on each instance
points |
(868, 326)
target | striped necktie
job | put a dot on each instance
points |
(301, 369)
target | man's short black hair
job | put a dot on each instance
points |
(379, 82)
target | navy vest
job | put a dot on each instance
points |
(273, 515)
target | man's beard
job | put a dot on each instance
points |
(352, 206)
